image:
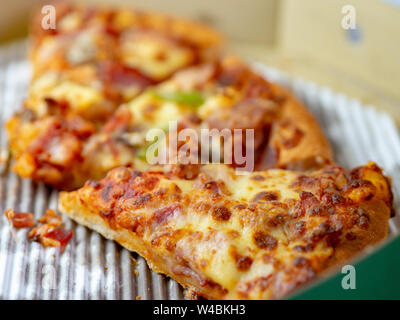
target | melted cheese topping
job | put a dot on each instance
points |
(50, 85)
(154, 56)
(244, 187)
(151, 112)
(214, 102)
(70, 22)
(79, 97)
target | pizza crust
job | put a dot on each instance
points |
(313, 150)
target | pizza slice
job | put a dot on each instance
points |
(228, 236)
(224, 95)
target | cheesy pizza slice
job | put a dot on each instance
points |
(225, 95)
(227, 236)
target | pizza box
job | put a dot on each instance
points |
(92, 267)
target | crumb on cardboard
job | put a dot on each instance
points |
(49, 233)
(51, 218)
(20, 219)
(134, 261)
